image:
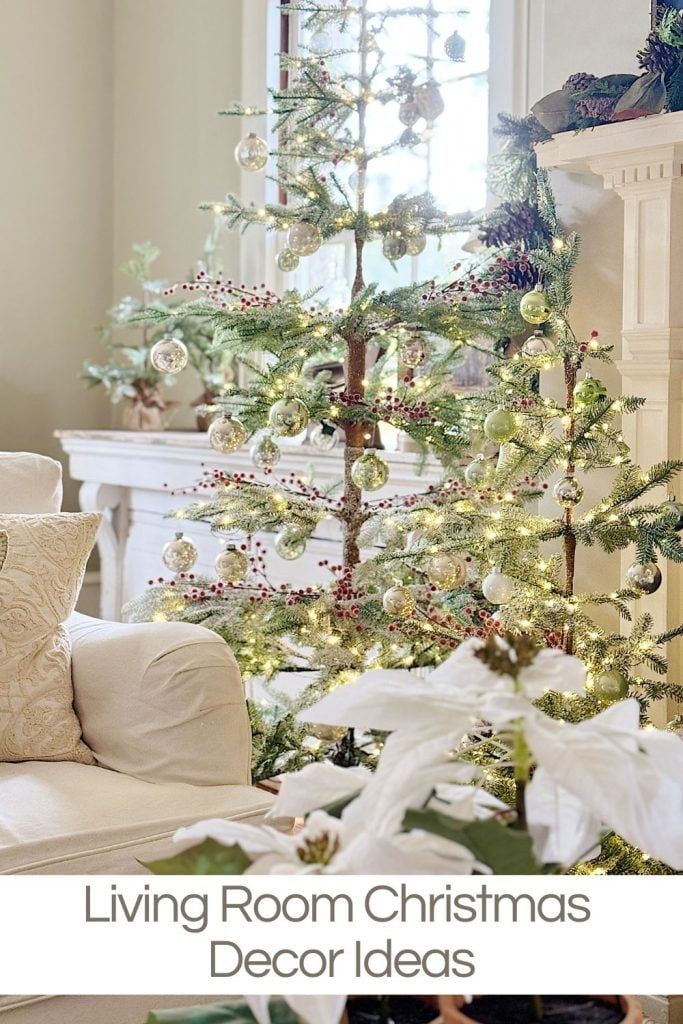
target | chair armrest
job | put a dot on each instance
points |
(161, 701)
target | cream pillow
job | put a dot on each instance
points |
(42, 562)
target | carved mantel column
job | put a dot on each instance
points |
(642, 161)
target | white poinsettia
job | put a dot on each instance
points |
(318, 1009)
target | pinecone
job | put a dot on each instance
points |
(596, 108)
(658, 56)
(516, 273)
(511, 223)
(579, 82)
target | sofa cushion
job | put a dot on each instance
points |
(68, 818)
(29, 483)
(40, 580)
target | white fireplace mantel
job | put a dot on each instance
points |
(642, 161)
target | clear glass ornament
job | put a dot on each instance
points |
(265, 454)
(589, 391)
(251, 153)
(455, 47)
(568, 492)
(672, 506)
(304, 238)
(321, 42)
(610, 686)
(480, 472)
(324, 437)
(645, 577)
(179, 554)
(231, 565)
(416, 242)
(497, 587)
(290, 543)
(500, 425)
(538, 345)
(399, 602)
(169, 355)
(394, 246)
(429, 100)
(534, 307)
(409, 113)
(287, 260)
(353, 180)
(288, 417)
(446, 570)
(227, 434)
(369, 472)
(413, 350)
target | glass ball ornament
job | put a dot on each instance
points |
(413, 350)
(304, 238)
(644, 576)
(288, 417)
(287, 260)
(500, 425)
(416, 242)
(534, 307)
(265, 454)
(480, 472)
(227, 434)
(497, 587)
(446, 570)
(568, 492)
(429, 100)
(290, 543)
(320, 42)
(369, 472)
(169, 355)
(409, 113)
(538, 345)
(324, 437)
(673, 507)
(231, 565)
(455, 47)
(610, 686)
(394, 246)
(399, 602)
(179, 554)
(251, 153)
(589, 391)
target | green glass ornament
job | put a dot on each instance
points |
(480, 472)
(534, 307)
(610, 686)
(399, 602)
(589, 391)
(231, 565)
(446, 570)
(369, 472)
(500, 425)
(287, 260)
(290, 543)
(179, 554)
(288, 417)
(227, 434)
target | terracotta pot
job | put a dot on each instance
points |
(451, 1009)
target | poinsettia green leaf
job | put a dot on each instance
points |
(555, 111)
(646, 96)
(505, 850)
(207, 858)
(220, 1013)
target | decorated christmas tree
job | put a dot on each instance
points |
(478, 552)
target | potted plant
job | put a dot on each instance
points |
(130, 379)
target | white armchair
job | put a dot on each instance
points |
(163, 710)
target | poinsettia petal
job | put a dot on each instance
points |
(318, 1009)
(259, 1007)
(563, 829)
(316, 785)
(552, 670)
(253, 839)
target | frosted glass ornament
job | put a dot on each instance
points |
(265, 454)
(369, 472)
(399, 602)
(446, 571)
(497, 587)
(169, 355)
(324, 437)
(179, 554)
(251, 153)
(227, 434)
(290, 543)
(534, 307)
(287, 260)
(288, 417)
(231, 565)
(304, 238)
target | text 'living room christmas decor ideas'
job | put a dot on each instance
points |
(473, 554)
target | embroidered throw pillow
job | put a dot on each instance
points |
(42, 563)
